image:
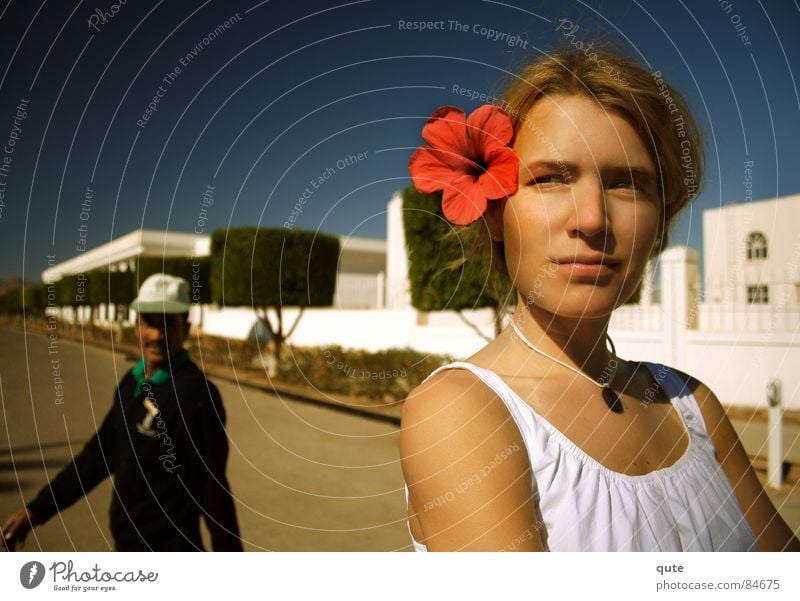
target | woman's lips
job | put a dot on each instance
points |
(592, 268)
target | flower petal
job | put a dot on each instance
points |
(463, 202)
(446, 130)
(469, 159)
(488, 128)
(431, 170)
(501, 177)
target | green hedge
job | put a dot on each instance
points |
(35, 298)
(73, 290)
(384, 375)
(433, 244)
(231, 353)
(33, 295)
(273, 267)
(111, 287)
(11, 301)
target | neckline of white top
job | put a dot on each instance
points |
(669, 471)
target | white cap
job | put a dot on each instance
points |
(162, 293)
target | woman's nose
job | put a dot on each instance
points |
(590, 216)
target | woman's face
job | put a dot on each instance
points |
(583, 223)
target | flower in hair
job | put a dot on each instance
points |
(469, 159)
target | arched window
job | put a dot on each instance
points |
(756, 246)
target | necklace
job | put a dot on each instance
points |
(609, 396)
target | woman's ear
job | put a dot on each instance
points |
(494, 218)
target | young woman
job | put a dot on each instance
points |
(545, 439)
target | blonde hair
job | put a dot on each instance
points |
(657, 113)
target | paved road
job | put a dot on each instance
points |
(304, 477)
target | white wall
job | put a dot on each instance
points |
(737, 366)
(371, 329)
(398, 292)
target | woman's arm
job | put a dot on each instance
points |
(467, 468)
(771, 532)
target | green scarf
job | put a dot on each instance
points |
(160, 375)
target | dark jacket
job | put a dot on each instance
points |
(168, 469)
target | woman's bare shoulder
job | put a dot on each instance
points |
(464, 461)
(454, 409)
(449, 391)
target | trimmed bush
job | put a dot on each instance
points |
(273, 268)
(34, 298)
(111, 287)
(11, 301)
(73, 291)
(433, 244)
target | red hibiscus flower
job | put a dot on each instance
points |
(468, 159)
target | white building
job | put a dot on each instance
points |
(751, 253)
(120, 254)
(359, 284)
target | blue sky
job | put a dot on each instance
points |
(287, 93)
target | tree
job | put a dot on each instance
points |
(29, 295)
(440, 278)
(73, 291)
(273, 268)
(34, 296)
(112, 288)
(12, 301)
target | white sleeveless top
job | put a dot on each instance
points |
(584, 506)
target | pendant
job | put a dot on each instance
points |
(612, 400)
(150, 406)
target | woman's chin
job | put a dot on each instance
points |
(579, 308)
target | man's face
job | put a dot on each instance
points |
(161, 335)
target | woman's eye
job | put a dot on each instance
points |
(551, 178)
(627, 184)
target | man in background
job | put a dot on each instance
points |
(163, 441)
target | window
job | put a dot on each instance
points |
(756, 246)
(757, 295)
